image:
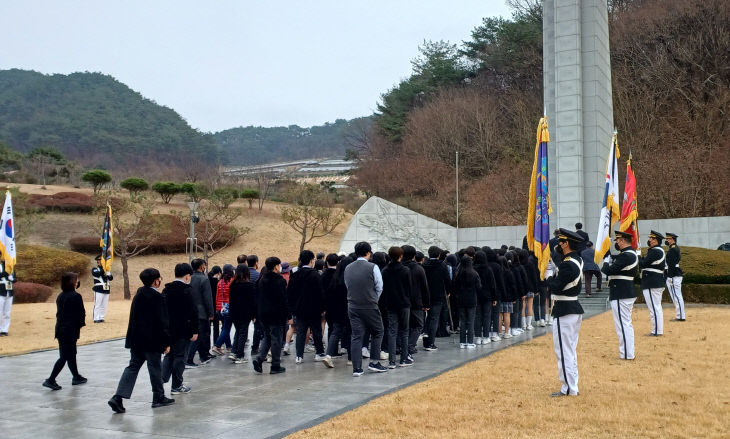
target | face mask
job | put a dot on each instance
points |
(648, 242)
(78, 284)
(666, 242)
(615, 245)
(558, 249)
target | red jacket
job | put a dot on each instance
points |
(222, 294)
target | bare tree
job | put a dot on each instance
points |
(135, 228)
(264, 183)
(311, 213)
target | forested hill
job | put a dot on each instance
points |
(255, 145)
(95, 119)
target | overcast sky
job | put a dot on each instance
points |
(223, 64)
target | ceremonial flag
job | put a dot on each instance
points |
(610, 211)
(107, 241)
(7, 235)
(629, 211)
(538, 211)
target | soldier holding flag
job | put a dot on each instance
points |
(102, 272)
(7, 263)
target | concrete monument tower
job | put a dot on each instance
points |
(577, 96)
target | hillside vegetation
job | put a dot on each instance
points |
(94, 119)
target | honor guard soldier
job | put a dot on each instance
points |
(653, 266)
(567, 312)
(621, 270)
(674, 276)
(6, 298)
(101, 290)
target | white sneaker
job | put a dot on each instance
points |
(530, 327)
(286, 349)
(471, 346)
(309, 348)
(462, 345)
(365, 352)
(327, 361)
(383, 355)
(496, 338)
(541, 323)
(299, 360)
(349, 362)
(507, 335)
(319, 357)
(486, 340)
(477, 340)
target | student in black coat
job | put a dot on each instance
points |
(242, 309)
(183, 317)
(420, 296)
(521, 278)
(397, 299)
(306, 298)
(148, 337)
(335, 305)
(511, 294)
(533, 279)
(467, 285)
(273, 314)
(70, 317)
(439, 282)
(498, 273)
(486, 298)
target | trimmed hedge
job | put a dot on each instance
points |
(28, 292)
(46, 265)
(63, 202)
(703, 266)
(696, 293)
(171, 241)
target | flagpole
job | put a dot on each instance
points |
(457, 197)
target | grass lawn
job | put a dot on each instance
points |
(678, 386)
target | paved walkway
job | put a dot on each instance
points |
(227, 401)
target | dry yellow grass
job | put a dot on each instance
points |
(32, 326)
(678, 386)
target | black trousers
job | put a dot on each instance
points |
(365, 320)
(66, 354)
(432, 324)
(337, 332)
(241, 337)
(466, 324)
(258, 335)
(483, 319)
(415, 327)
(129, 376)
(202, 344)
(216, 326)
(314, 325)
(271, 340)
(398, 333)
(174, 362)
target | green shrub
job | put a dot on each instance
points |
(28, 292)
(167, 190)
(696, 293)
(97, 178)
(134, 185)
(250, 195)
(45, 265)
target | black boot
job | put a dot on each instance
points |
(116, 404)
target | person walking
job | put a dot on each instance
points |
(567, 311)
(70, 318)
(203, 299)
(420, 297)
(439, 282)
(101, 290)
(653, 266)
(242, 310)
(621, 270)
(273, 312)
(364, 284)
(397, 294)
(183, 320)
(674, 277)
(590, 268)
(222, 309)
(148, 337)
(214, 276)
(335, 305)
(306, 299)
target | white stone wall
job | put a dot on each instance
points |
(384, 224)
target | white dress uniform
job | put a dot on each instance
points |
(6, 298)
(101, 292)
(674, 279)
(621, 270)
(653, 267)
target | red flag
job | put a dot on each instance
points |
(629, 211)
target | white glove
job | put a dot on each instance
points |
(108, 273)
(607, 259)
